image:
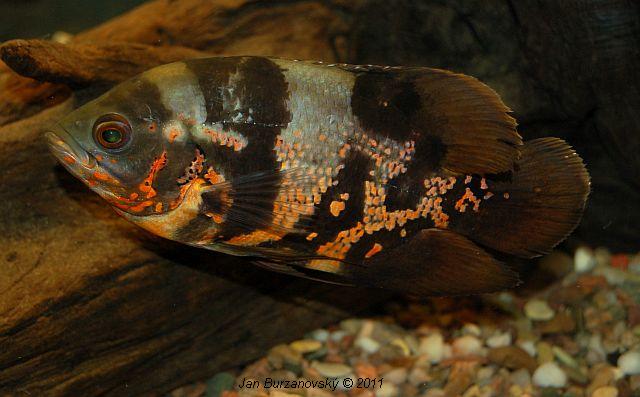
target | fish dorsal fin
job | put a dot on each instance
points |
(472, 121)
(453, 118)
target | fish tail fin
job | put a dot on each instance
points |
(535, 207)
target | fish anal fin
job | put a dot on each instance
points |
(300, 270)
(437, 262)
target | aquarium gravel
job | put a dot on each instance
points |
(579, 337)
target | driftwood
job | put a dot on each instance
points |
(81, 65)
(91, 305)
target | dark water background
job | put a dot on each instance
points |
(28, 19)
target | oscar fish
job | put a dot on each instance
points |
(406, 178)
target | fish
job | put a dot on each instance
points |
(411, 179)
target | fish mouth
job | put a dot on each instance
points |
(76, 160)
(69, 152)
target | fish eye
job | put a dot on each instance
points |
(112, 131)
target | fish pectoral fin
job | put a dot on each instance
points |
(436, 262)
(253, 201)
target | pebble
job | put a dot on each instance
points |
(277, 393)
(484, 374)
(538, 310)
(544, 352)
(351, 325)
(471, 329)
(433, 347)
(402, 345)
(561, 323)
(601, 376)
(584, 260)
(613, 276)
(283, 356)
(418, 376)
(523, 348)
(467, 345)
(564, 357)
(549, 375)
(368, 345)
(606, 391)
(434, 392)
(338, 335)
(332, 370)
(529, 346)
(603, 256)
(512, 357)
(220, 383)
(388, 389)
(521, 377)
(396, 375)
(306, 345)
(499, 340)
(321, 335)
(629, 363)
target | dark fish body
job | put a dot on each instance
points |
(382, 176)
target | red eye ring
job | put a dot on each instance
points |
(112, 131)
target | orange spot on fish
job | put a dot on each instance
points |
(69, 160)
(336, 207)
(213, 177)
(147, 184)
(217, 218)
(254, 238)
(133, 196)
(142, 206)
(343, 150)
(99, 157)
(101, 176)
(461, 206)
(173, 134)
(322, 137)
(376, 248)
(311, 236)
(119, 205)
(158, 207)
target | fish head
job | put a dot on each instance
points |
(128, 147)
